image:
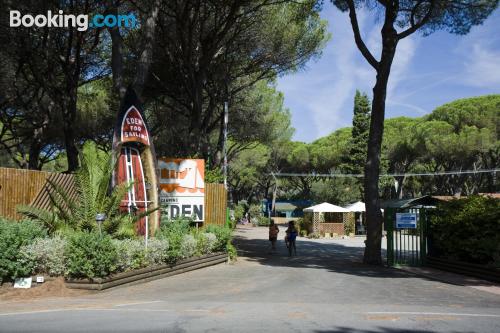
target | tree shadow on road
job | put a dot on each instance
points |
(312, 254)
(375, 330)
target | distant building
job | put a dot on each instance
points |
(285, 208)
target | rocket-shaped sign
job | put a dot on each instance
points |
(136, 163)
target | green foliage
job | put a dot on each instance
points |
(131, 254)
(92, 182)
(303, 226)
(468, 230)
(13, 236)
(174, 231)
(254, 213)
(240, 210)
(231, 251)
(189, 246)
(480, 112)
(356, 159)
(157, 252)
(223, 235)
(263, 221)
(90, 255)
(340, 191)
(44, 255)
(214, 176)
(349, 225)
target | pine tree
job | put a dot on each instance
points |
(360, 129)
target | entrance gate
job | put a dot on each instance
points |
(406, 243)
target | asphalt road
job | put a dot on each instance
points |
(323, 289)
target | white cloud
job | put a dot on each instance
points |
(482, 66)
(327, 87)
(481, 52)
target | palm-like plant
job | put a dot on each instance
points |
(93, 195)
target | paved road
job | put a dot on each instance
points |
(324, 289)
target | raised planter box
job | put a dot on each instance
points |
(479, 271)
(147, 274)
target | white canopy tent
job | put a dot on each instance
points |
(326, 218)
(326, 207)
(356, 207)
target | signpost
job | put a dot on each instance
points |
(406, 221)
(182, 187)
(136, 163)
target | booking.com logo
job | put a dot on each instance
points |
(81, 21)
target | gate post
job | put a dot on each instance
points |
(389, 228)
(423, 221)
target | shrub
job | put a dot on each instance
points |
(188, 246)
(263, 221)
(14, 235)
(467, 230)
(349, 224)
(255, 211)
(92, 195)
(157, 252)
(90, 255)
(205, 242)
(44, 255)
(223, 237)
(212, 241)
(131, 254)
(231, 251)
(239, 211)
(173, 231)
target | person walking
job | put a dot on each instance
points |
(273, 235)
(291, 236)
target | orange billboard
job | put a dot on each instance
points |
(182, 187)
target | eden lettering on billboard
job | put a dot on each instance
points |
(182, 187)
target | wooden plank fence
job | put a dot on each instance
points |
(17, 187)
(23, 187)
(215, 204)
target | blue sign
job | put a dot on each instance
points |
(406, 220)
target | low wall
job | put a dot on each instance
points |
(334, 228)
(147, 274)
(284, 220)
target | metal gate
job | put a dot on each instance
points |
(406, 245)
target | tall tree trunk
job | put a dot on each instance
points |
(69, 131)
(372, 253)
(35, 148)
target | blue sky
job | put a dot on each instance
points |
(427, 72)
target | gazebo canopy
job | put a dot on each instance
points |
(325, 207)
(357, 207)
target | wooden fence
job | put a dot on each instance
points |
(23, 187)
(17, 187)
(215, 204)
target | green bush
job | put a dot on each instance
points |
(188, 247)
(467, 230)
(204, 241)
(157, 252)
(263, 221)
(239, 211)
(131, 254)
(90, 255)
(349, 225)
(303, 226)
(231, 251)
(255, 211)
(14, 235)
(174, 231)
(44, 255)
(92, 195)
(223, 235)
